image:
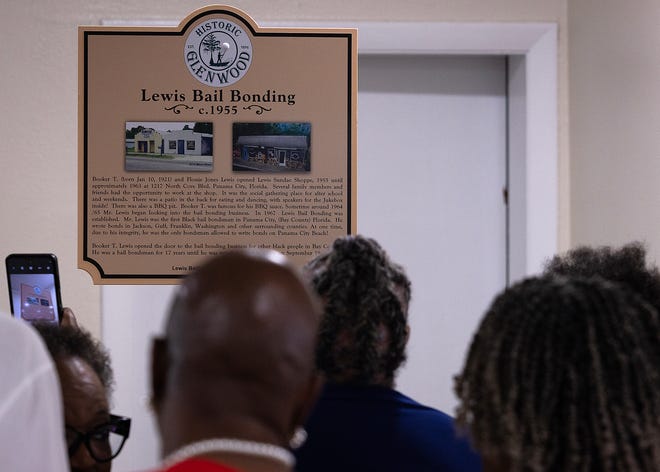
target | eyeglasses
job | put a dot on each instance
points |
(104, 442)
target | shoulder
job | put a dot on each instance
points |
(30, 401)
(24, 360)
(17, 332)
(22, 344)
(412, 404)
(198, 465)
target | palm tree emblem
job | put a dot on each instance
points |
(216, 49)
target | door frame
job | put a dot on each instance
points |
(531, 48)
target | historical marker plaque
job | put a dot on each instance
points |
(212, 135)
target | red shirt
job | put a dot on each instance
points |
(198, 465)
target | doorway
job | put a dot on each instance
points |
(432, 150)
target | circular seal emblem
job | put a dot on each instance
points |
(218, 52)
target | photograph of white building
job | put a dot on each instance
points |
(168, 145)
(188, 142)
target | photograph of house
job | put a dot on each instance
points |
(148, 141)
(188, 142)
(167, 145)
(271, 147)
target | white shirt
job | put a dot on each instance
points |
(31, 417)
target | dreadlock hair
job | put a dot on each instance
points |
(363, 331)
(562, 375)
(69, 341)
(625, 265)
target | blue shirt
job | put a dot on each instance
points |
(365, 428)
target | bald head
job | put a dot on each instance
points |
(239, 347)
(250, 303)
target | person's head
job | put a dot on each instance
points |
(625, 265)
(562, 374)
(364, 329)
(237, 359)
(94, 436)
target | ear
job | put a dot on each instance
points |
(407, 334)
(159, 369)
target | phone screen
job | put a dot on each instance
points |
(34, 287)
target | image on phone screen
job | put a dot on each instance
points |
(33, 291)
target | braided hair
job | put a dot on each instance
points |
(625, 265)
(562, 375)
(363, 331)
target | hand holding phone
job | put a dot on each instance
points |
(34, 287)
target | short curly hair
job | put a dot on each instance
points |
(562, 375)
(70, 341)
(363, 331)
(624, 265)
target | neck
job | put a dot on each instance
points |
(377, 382)
(242, 454)
(180, 427)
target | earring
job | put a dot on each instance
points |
(299, 437)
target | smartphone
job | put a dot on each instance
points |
(34, 287)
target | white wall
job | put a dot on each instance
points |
(38, 92)
(615, 122)
(608, 189)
